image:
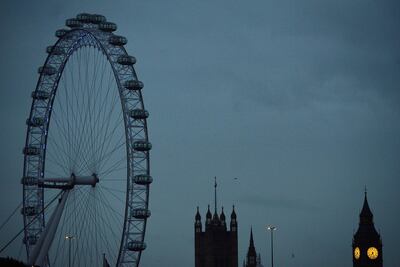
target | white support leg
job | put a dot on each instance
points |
(39, 253)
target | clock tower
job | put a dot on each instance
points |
(367, 243)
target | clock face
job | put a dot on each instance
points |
(372, 253)
(357, 253)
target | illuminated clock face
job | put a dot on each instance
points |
(357, 253)
(372, 253)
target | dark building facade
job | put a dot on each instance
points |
(216, 246)
(367, 243)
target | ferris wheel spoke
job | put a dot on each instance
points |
(77, 116)
(113, 189)
(107, 204)
(89, 84)
(61, 129)
(115, 166)
(109, 215)
(92, 235)
(61, 155)
(107, 136)
(62, 166)
(104, 239)
(80, 234)
(106, 156)
(97, 109)
(62, 135)
(105, 174)
(108, 167)
(104, 103)
(114, 195)
(102, 222)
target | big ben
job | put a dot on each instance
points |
(367, 243)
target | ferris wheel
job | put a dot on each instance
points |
(86, 174)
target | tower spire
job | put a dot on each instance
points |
(215, 194)
(251, 237)
(251, 253)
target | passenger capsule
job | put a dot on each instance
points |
(136, 245)
(140, 213)
(28, 180)
(142, 145)
(142, 179)
(83, 17)
(60, 33)
(96, 19)
(29, 211)
(108, 26)
(31, 150)
(40, 95)
(126, 60)
(133, 85)
(139, 114)
(35, 122)
(73, 23)
(118, 40)
(30, 239)
(55, 50)
(47, 70)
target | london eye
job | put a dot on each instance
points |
(86, 173)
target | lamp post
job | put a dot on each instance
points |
(69, 239)
(272, 229)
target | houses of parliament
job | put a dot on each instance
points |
(217, 245)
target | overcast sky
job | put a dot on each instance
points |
(300, 100)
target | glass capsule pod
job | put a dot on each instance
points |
(136, 245)
(73, 23)
(31, 150)
(83, 17)
(96, 19)
(40, 95)
(35, 122)
(140, 213)
(142, 179)
(118, 40)
(60, 33)
(47, 70)
(55, 50)
(138, 114)
(126, 60)
(108, 26)
(133, 85)
(142, 145)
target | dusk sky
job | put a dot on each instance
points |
(297, 99)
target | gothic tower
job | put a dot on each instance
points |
(251, 258)
(216, 246)
(367, 243)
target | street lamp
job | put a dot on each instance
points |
(272, 229)
(69, 239)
